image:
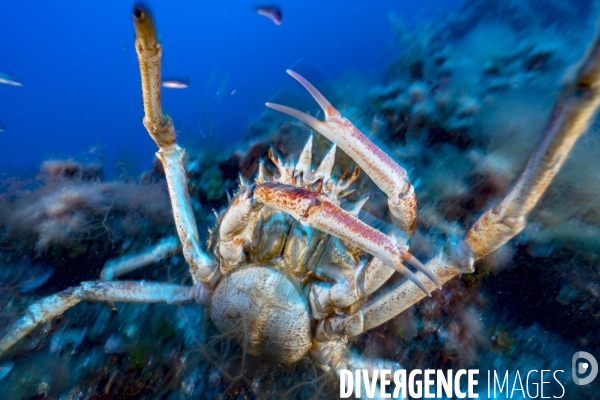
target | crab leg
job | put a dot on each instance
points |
(571, 117)
(325, 297)
(334, 355)
(383, 308)
(232, 229)
(132, 292)
(573, 111)
(160, 128)
(381, 168)
(120, 266)
(320, 213)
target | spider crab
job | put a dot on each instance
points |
(288, 262)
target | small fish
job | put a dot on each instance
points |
(273, 13)
(8, 79)
(174, 84)
(2, 127)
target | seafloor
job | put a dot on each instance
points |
(461, 108)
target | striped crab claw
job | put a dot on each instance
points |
(390, 177)
(318, 212)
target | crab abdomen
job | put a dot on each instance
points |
(264, 310)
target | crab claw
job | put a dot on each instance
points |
(320, 213)
(412, 260)
(382, 169)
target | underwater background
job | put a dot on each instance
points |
(70, 53)
(457, 92)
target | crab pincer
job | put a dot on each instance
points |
(390, 177)
(320, 213)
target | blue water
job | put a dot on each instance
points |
(81, 93)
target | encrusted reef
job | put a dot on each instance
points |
(61, 229)
(462, 108)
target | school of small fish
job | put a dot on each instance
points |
(273, 13)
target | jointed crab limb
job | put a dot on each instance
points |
(231, 244)
(325, 298)
(51, 306)
(320, 213)
(570, 118)
(130, 262)
(335, 356)
(384, 308)
(405, 295)
(149, 53)
(160, 128)
(201, 265)
(381, 168)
